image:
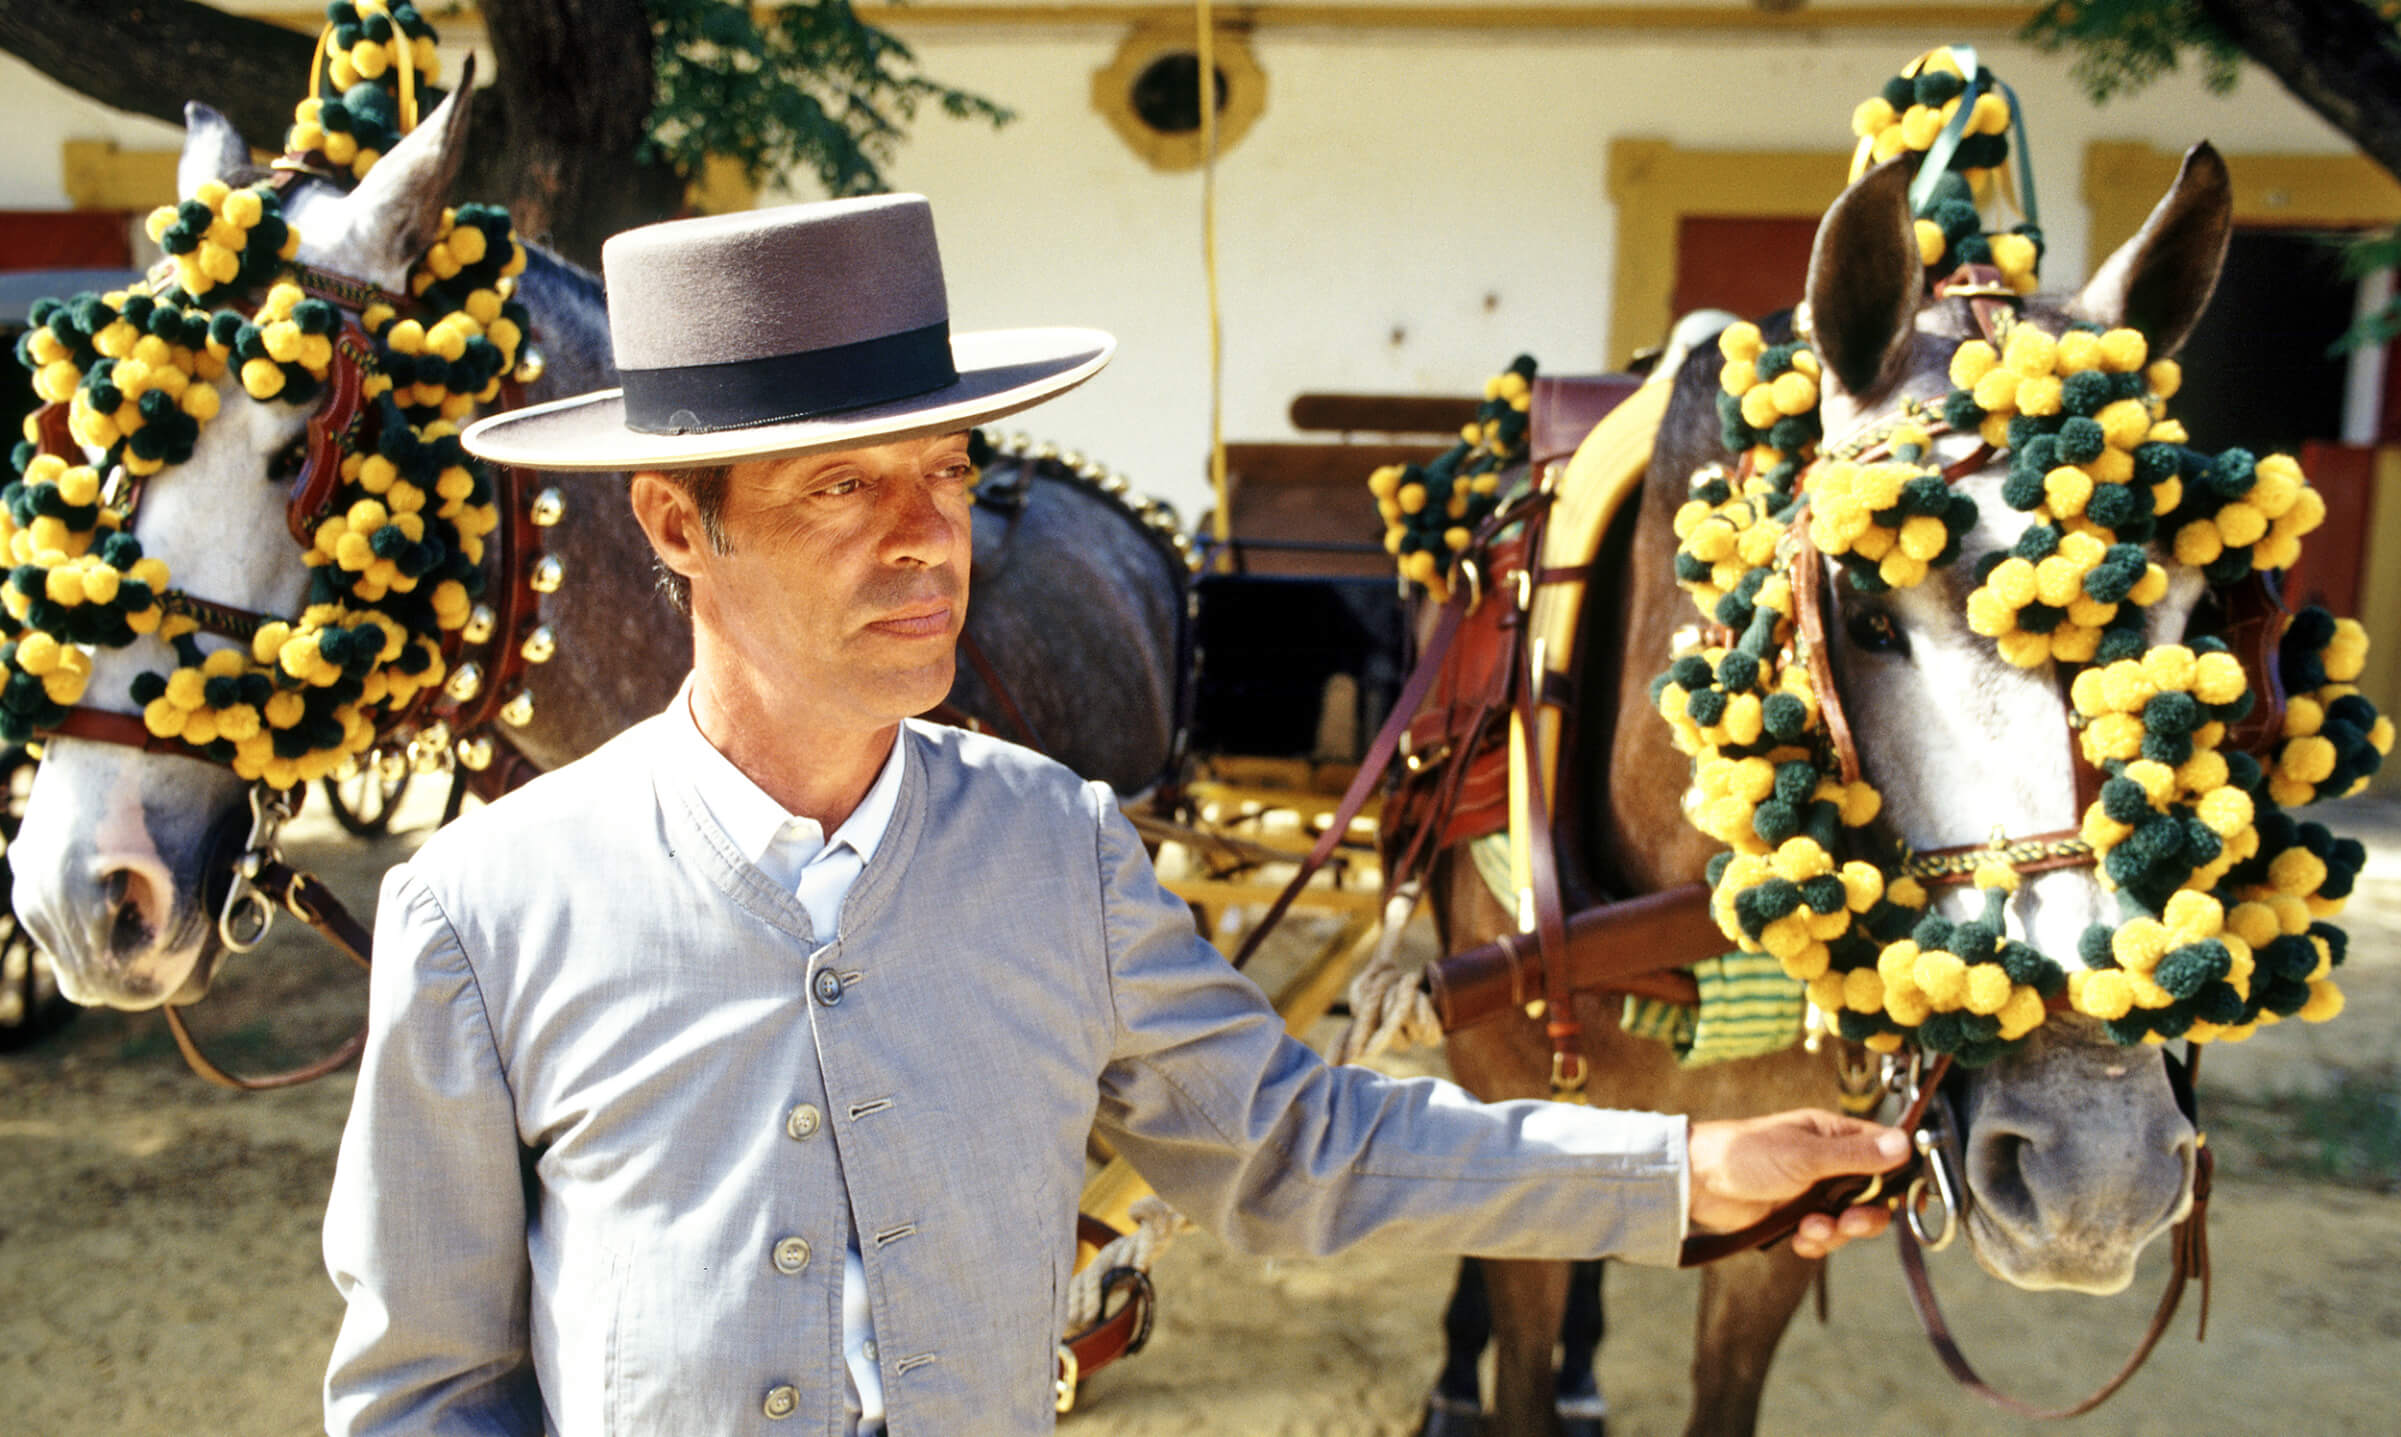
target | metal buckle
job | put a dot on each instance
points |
(248, 914)
(1943, 1187)
(1063, 1389)
(1568, 1075)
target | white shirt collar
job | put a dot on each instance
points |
(758, 824)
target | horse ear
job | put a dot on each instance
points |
(212, 149)
(2160, 281)
(397, 209)
(1865, 279)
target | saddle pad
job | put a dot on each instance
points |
(1605, 471)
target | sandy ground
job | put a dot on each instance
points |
(159, 1268)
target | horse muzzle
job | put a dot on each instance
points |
(2073, 1165)
(123, 927)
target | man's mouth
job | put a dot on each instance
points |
(916, 621)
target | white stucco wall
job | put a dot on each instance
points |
(1450, 189)
(1413, 208)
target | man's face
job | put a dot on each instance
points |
(844, 585)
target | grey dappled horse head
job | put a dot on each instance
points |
(2076, 1153)
(1076, 605)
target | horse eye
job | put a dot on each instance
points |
(286, 464)
(1875, 631)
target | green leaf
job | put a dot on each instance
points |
(813, 88)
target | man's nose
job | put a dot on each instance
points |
(918, 529)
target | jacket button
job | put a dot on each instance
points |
(792, 1255)
(781, 1402)
(802, 1122)
(828, 986)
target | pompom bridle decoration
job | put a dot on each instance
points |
(396, 545)
(1432, 511)
(2225, 896)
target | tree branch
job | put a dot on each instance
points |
(149, 56)
(2336, 56)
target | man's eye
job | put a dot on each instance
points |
(839, 486)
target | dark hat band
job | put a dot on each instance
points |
(744, 393)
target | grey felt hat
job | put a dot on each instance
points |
(785, 331)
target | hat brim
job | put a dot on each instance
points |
(1000, 372)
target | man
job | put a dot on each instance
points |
(741, 1072)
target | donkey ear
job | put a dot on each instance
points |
(1866, 279)
(212, 149)
(2160, 281)
(396, 211)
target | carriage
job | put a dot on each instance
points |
(1094, 639)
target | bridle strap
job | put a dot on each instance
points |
(1022, 729)
(1371, 772)
(1808, 579)
(2189, 1252)
(2035, 853)
(320, 476)
(316, 905)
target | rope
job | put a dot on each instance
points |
(1155, 1225)
(1221, 519)
(1390, 1010)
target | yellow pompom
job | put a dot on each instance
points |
(1988, 988)
(2105, 994)
(1740, 340)
(1942, 977)
(1971, 362)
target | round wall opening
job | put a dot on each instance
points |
(1150, 92)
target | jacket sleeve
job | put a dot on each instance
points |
(425, 1233)
(1254, 1137)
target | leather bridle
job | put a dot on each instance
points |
(504, 636)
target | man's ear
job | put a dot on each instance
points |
(671, 520)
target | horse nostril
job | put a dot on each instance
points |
(1997, 1160)
(130, 898)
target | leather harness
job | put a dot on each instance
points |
(1453, 787)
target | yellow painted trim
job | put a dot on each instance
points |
(1113, 90)
(2380, 603)
(98, 175)
(1655, 184)
(2123, 180)
(1667, 16)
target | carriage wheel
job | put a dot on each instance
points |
(365, 802)
(31, 1007)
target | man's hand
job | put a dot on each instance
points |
(1742, 1170)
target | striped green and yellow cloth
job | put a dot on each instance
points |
(1748, 1008)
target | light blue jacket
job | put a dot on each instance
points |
(619, 1111)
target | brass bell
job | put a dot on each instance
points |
(549, 506)
(428, 748)
(548, 575)
(1072, 459)
(539, 645)
(480, 623)
(518, 711)
(475, 752)
(530, 364)
(390, 767)
(1115, 484)
(466, 681)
